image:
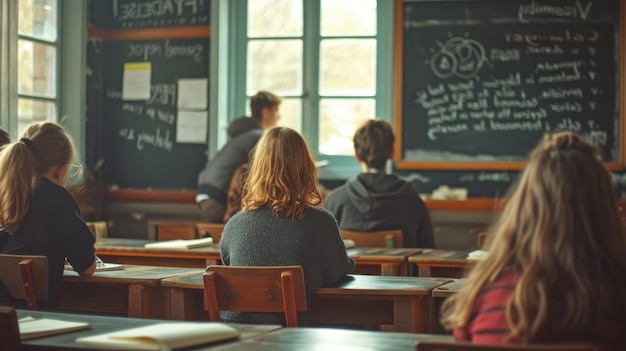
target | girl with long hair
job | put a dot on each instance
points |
(281, 222)
(556, 267)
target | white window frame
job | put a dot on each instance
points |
(230, 97)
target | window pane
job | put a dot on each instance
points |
(290, 111)
(36, 69)
(275, 65)
(38, 18)
(30, 111)
(348, 67)
(291, 114)
(339, 119)
(348, 18)
(274, 18)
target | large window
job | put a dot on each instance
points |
(323, 57)
(37, 67)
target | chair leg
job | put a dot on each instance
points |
(210, 296)
(26, 272)
(289, 301)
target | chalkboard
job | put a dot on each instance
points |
(480, 82)
(133, 14)
(140, 148)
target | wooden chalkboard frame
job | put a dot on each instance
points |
(401, 163)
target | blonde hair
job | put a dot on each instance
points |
(282, 175)
(43, 146)
(560, 231)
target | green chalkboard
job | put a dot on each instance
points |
(480, 82)
(139, 137)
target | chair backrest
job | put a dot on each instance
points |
(214, 230)
(481, 240)
(382, 238)
(9, 330)
(269, 289)
(464, 346)
(25, 277)
(175, 231)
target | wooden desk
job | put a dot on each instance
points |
(377, 261)
(382, 261)
(106, 324)
(403, 302)
(133, 291)
(132, 251)
(311, 339)
(440, 263)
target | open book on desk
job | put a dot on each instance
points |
(164, 336)
(37, 327)
(180, 243)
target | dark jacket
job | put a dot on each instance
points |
(53, 227)
(378, 201)
(215, 178)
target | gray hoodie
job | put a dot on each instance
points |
(378, 201)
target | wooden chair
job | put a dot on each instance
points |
(481, 239)
(171, 229)
(9, 330)
(382, 238)
(465, 346)
(255, 289)
(25, 277)
(213, 230)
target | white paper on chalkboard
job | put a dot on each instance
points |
(192, 94)
(136, 84)
(191, 127)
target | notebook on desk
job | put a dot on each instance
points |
(164, 336)
(100, 267)
(37, 327)
(180, 243)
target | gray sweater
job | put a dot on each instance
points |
(260, 238)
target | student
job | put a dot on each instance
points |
(281, 222)
(555, 269)
(39, 216)
(215, 178)
(4, 138)
(375, 200)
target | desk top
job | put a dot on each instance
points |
(382, 254)
(440, 256)
(363, 284)
(288, 339)
(449, 289)
(131, 274)
(106, 324)
(137, 246)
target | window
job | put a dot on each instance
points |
(37, 62)
(324, 58)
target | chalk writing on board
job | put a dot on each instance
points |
(536, 10)
(159, 13)
(166, 49)
(528, 80)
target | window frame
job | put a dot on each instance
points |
(70, 85)
(339, 167)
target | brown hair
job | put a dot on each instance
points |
(262, 99)
(282, 175)
(373, 143)
(43, 146)
(561, 232)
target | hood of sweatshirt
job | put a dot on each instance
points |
(376, 195)
(242, 125)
